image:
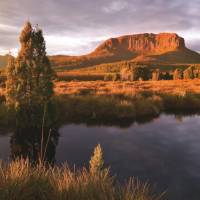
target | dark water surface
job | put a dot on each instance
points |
(165, 152)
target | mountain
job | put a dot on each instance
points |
(165, 48)
(3, 61)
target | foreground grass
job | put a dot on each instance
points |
(20, 180)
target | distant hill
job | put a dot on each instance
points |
(3, 61)
(163, 48)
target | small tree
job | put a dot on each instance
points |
(29, 76)
(140, 72)
(156, 75)
(178, 74)
(11, 82)
(189, 73)
(96, 162)
(135, 73)
(166, 76)
(115, 77)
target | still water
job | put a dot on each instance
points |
(165, 152)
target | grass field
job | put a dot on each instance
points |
(179, 87)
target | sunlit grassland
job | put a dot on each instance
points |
(179, 87)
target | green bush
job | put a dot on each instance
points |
(111, 77)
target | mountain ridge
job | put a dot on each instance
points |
(166, 48)
(147, 48)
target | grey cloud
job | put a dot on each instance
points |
(194, 44)
(115, 6)
(98, 18)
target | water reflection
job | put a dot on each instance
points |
(165, 152)
(26, 143)
(35, 136)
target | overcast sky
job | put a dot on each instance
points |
(76, 27)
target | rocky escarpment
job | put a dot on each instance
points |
(143, 43)
(166, 48)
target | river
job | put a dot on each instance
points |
(165, 152)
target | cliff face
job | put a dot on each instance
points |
(147, 43)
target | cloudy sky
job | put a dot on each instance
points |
(76, 27)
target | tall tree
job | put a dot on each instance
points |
(29, 76)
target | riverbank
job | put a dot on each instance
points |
(117, 103)
(122, 103)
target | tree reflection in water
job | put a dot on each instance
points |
(26, 141)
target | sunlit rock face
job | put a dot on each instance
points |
(146, 43)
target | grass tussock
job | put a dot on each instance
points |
(20, 180)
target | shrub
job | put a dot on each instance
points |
(135, 73)
(156, 75)
(166, 76)
(188, 74)
(178, 74)
(96, 162)
(111, 77)
(192, 72)
(115, 77)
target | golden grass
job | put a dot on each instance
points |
(78, 72)
(21, 180)
(179, 87)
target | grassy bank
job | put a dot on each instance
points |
(20, 180)
(117, 103)
(107, 110)
(113, 109)
(124, 110)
